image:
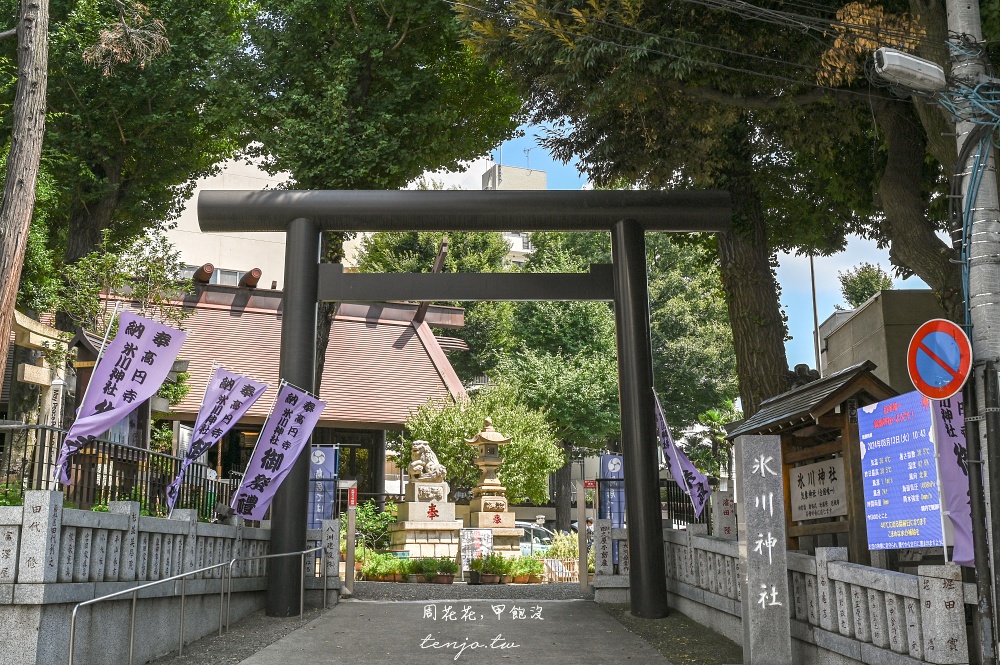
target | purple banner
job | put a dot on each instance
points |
(953, 467)
(133, 367)
(227, 397)
(693, 481)
(282, 440)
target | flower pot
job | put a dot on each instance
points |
(535, 579)
(506, 579)
(489, 578)
(521, 579)
(398, 577)
(441, 578)
(475, 577)
(418, 579)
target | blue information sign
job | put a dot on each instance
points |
(612, 495)
(323, 463)
(902, 505)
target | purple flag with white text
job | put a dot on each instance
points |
(227, 397)
(282, 439)
(953, 467)
(693, 481)
(131, 370)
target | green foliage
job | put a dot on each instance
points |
(446, 566)
(706, 445)
(175, 392)
(161, 438)
(488, 325)
(527, 459)
(477, 564)
(379, 565)
(123, 150)
(371, 525)
(495, 563)
(349, 95)
(527, 565)
(147, 271)
(11, 495)
(564, 546)
(860, 283)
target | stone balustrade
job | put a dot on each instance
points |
(53, 557)
(841, 613)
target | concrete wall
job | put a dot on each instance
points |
(880, 331)
(52, 558)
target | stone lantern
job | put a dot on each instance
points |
(488, 508)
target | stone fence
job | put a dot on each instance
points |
(841, 613)
(52, 558)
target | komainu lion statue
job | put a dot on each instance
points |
(425, 465)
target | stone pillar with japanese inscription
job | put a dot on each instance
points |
(942, 615)
(331, 546)
(766, 604)
(724, 514)
(40, 527)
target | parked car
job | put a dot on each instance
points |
(535, 539)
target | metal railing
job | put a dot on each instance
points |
(678, 505)
(103, 471)
(224, 602)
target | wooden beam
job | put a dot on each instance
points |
(857, 545)
(812, 452)
(786, 473)
(818, 529)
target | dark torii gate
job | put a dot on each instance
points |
(626, 214)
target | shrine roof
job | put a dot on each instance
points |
(802, 405)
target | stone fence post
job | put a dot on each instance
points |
(331, 546)
(942, 615)
(40, 529)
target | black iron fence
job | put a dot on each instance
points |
(102, 471)
(677, 506)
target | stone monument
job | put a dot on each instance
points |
(425, 523)
(488, 508)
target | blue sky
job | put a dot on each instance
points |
(793, 271)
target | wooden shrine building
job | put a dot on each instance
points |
(821, 457)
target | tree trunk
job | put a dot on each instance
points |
(913, 242)
(87, 222)
(331, 251)
(752, 298)
(564, 490)
(27, 133)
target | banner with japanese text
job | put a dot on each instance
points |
(693, 481)
(953, 468)
(130, 371)
(282, 440)
(227, 397)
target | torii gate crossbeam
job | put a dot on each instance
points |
(626, 214)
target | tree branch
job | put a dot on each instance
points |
(761, 102)
(8, 34)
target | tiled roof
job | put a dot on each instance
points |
(798, 404)
(376, 371)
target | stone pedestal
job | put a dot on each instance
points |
(507, 541)
(425, 525)
(436, 538)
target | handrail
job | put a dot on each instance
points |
(302, 572)
(224, 604)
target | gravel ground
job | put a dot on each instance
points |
(679, 639)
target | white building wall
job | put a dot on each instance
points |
(236, 251)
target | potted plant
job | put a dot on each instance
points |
(517, 570)
(537, 572)
(445, 570)
(493, 567)
(393, 567)
(476, 570)
(418, 571)
(506, 574)
(403, 570)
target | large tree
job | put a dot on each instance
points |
(677, 95)
(367, 95)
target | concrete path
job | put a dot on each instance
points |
(473, 632)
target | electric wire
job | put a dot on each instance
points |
(649, 50)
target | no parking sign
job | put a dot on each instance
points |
(939, 359)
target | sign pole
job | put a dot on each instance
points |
(352, 509)
(940, 485)
(581, 532)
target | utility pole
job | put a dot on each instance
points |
(968, 66)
